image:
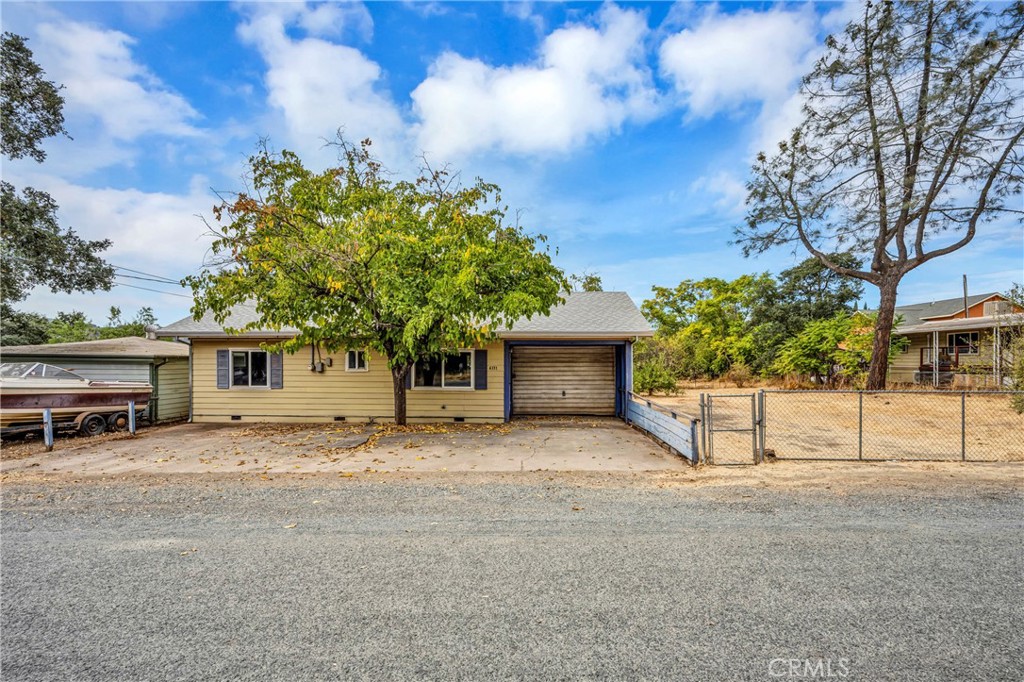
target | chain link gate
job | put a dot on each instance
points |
(732, 428)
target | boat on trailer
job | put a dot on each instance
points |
(90, 406)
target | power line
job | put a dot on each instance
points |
(150, 279)
(155, 291)
(168, 280)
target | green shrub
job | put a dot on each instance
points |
(653, 375)
(739, 374)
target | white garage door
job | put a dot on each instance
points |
(563, 380)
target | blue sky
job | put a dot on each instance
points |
(623, 132)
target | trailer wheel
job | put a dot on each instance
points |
(118, 421)
(93, 425)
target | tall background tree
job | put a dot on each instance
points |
(805, 293)
(352, 258)
(36, 251)
(585, 281)
(910, 143)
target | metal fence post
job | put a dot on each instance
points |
(48, 429)
(762, 422)
(963, 426)
(860, 425)
(703, 429)
(753, 424)
(131, 416)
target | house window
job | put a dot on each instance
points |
(355, 361)
(964, 342)
(249, 368)
(454, 370)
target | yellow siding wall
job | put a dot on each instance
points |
(358, 396)
(173, 380)
(905, 364)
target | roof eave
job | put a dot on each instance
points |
(960, 323)
(221, 334)
(514, 335)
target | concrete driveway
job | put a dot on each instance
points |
(570, 445)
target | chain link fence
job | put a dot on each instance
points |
(974, 426)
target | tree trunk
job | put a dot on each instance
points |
(879, 367)
(398, 375)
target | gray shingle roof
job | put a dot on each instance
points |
(917, 313)
(585, 314)
(240, 315)
(128, 346)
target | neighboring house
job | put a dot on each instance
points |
(164, 364)
(951, 344)
(577, 361)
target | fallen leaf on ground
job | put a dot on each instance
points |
(291, 525)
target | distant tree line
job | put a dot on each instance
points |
(23, 328)
(804, 322)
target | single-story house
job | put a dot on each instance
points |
(164, 364)
(576, 361)
(958, 344)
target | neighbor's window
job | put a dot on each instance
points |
(249, 368)
(355, 361)
(965, 342)
(454, 370)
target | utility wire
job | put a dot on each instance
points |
(155, 291)
(168, 280)
(150, 279)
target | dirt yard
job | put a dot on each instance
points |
(895, 425)
(583, 453)
(598, 444)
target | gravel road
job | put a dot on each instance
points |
(533, 577)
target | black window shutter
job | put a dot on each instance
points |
(277, 369)
(408, 378)
(480, 369)
(223, 369)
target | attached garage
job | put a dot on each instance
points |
(563, 380)
(575, 360)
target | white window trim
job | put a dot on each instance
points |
(976, 345)
(472, 375)
(366, 360)
(231, 369)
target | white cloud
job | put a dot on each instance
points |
(730, 191)
(317, 85)
(155, 232)
(776, 123)
(727, 60)
(588, 81)
(103, 81)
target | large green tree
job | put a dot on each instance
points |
(19, 328)
(910, 142)
(352, 257)
(706, 323)
(36, 251)
(807, 292)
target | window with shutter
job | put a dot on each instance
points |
(454, 370)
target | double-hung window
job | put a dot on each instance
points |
(249, 368)
(964, 342)
(355, 361)
(452, 370)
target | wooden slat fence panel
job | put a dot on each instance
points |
(679, 432)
